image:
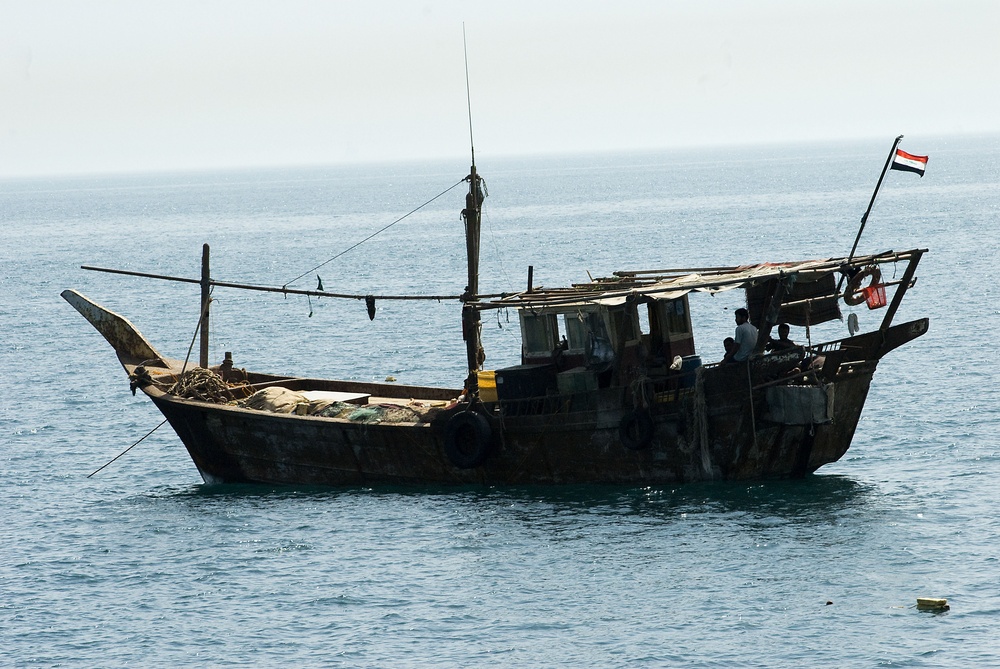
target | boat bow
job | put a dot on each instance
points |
(132, 348)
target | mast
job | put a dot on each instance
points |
(471, 325)
(206, 300)
(864, 219)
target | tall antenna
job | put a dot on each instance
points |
(468, 92)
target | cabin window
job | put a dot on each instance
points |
(599, 349)
(655, 331)
(575, 325)
(623, 324)
(644, 319)
(676, 316)
(537, 332)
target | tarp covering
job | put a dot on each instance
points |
(317, 403)
(812, 276)
(814, 300)
(276, 399)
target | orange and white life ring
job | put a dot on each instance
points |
(855, 294)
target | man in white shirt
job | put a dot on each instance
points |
(746, 338)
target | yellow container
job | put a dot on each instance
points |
(487, 386)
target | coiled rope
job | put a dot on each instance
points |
(205, 385)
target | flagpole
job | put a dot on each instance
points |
(864, 219)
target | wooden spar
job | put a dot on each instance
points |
(864, 219)
(206, 300)
(655, 275)
(472, 215)
(472, 210)
(275, 289)
(674, 270)
(470, 311)
(904, 284)
(718, 275)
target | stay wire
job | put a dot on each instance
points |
(351, 248)
(128, 449)
(499, 255)
(197, 329)
(183, 368)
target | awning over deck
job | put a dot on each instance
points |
(811, 296)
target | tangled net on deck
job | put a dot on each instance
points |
(377, 413)
(205, 385)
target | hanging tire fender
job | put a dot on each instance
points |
(854, 295)
(636, 430)
(468, 439)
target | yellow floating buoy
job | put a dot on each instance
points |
(932, 604)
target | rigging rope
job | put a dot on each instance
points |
(351, 248)
(496, 250)
(197, 329)
(128, 449)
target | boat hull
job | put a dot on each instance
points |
(756, 420)
(733, 440)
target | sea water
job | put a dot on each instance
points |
(144, 565)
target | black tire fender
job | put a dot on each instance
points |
(467, 439)
(636, 430)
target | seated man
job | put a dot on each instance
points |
(746, 338)
(782, 342)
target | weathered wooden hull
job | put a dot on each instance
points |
(732, 423)
(738, 442)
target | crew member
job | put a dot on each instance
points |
(745, 337)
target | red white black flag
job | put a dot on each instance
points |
(908, 162)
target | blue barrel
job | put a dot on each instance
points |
(689, 363)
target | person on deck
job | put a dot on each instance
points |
(746, 338)
(782, 342)
(730, 345)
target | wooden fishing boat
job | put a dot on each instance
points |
(609, 387)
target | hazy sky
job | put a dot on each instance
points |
(92, 86)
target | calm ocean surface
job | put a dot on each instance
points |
(144, 565)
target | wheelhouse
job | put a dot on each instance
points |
(635, 327)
